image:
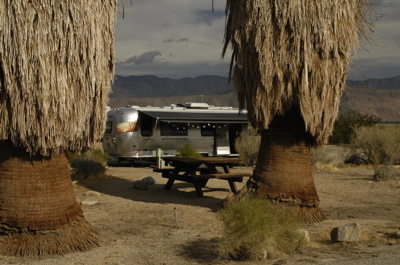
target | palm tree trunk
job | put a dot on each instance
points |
(39, 213)
(283, 172)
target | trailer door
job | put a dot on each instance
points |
(222, 139)
(109, 140)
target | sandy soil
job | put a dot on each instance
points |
(139, 226)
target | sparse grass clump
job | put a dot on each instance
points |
(90, 164)
(256, 229)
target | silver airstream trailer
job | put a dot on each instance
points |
(136, 133)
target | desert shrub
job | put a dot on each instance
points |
(384, 173)
(320, 159)
(376, 145)
(346, 123)
(247, 146)
(97, 155)
(71, 156)
(256, 229)
(319, 155)
(187, 150)
(89, 164)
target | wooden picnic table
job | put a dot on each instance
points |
(199, 170)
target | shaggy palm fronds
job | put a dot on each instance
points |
(60, 241)
(294, 54)
(56, 67)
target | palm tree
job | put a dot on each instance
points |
(290, 63)
(56, 66)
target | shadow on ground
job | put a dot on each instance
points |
(181, 193)
(202, 251)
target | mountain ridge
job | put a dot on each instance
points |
(379, 97)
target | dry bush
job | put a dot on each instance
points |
(91, 164)
(256, 229)
(247, 146)
(346, 123)
(384, 173)
(320, 159)
(377, 145)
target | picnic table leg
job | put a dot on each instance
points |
(204, 183)
(169, 184)
(197, 186)
(232, 185)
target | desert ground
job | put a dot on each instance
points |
(175, 227)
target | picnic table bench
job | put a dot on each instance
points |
(199, 170)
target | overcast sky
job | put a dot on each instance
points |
(183, 38)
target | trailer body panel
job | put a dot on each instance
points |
(135, 133)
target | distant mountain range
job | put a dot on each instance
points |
(380, 97)
(153, 86)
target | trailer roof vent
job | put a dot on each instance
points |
(132, 106)
(196, 105)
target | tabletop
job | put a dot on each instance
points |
(192, 170)
(202, 160)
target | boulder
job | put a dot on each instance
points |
(92, 193)
(140, 184)
(346, 233)
(89, 203)
(149, 180)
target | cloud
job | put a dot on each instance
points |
(381, 67)
(174, 69)
(207, 17)
(144, 58)
(183, 40)
(191, 34)
(176, 40)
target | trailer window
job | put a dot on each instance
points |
(207, 129)
(173, 129)
(128, 126)
(108, 126)
(146, 126)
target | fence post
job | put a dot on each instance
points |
(160, 163)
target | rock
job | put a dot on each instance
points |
(397, 234)
(305, 235)
(92, 193)
(90, 203)
(140, 185)
(149, 180)
(346, 233)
